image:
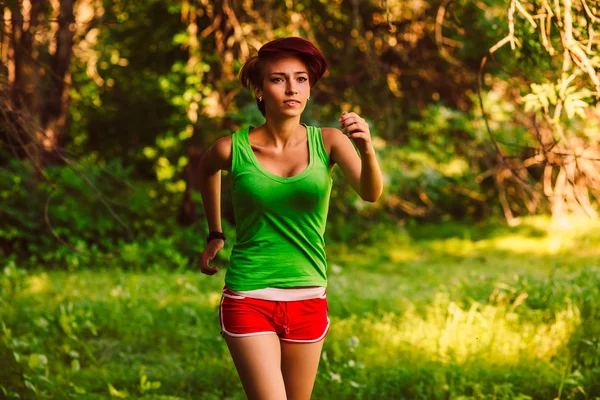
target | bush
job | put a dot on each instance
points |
(130, 225)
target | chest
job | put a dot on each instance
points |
(286, 162)
(258, 192)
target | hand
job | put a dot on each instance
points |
(210, 251)
(357, 129)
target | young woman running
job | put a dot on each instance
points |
(273, 311)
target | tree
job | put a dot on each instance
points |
(35, 109)
(566, 148)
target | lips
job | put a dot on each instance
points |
(291, 102)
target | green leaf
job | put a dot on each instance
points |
(117, 393)
(580, 104)
(79, 390)
(544, 100)
(551, 93)
(37, 361)
(570, 90)
(569, 108)
(532, 106)
(30, 386)
(529, 97)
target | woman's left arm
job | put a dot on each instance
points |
(362, 172)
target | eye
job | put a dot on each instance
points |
(302, 79)
(276, 80)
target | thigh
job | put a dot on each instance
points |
(258, 362)
(299, 364)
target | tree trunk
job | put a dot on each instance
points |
(39, 94)
(55, 115)
(24, 79)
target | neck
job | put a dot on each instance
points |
(282, 131)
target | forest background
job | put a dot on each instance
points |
(485, 118)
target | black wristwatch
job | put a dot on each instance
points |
(215, 235)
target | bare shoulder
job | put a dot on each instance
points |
(222, 147)
(331, 133)
(332, 136)
(336, 143)
(219, 154)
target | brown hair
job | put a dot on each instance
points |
(251, 75)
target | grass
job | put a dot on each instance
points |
(422, 312)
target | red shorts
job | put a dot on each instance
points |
(302, 321)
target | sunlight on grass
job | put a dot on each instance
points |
(37, 284)
(494, 334)
(517, 244)
(566, 224)
(398, 255)
(500, 247)
(523, 245)
(214, 299)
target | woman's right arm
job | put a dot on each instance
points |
(217, 158)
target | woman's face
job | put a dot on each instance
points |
(285, 87)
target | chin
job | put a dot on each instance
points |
(293, 112)
(288, 113)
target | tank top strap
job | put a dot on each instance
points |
(239, 151)
(317, 146)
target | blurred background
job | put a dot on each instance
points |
(476, 276)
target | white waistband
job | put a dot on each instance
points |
(281, 294)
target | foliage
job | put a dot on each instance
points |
(131, 224)
(154, 84)
(446, 169)
(554, 47)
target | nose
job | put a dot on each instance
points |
(291, 89)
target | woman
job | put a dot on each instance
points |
(273, 310)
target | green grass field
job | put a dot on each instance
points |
(423, 312)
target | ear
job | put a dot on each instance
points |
(257, 92)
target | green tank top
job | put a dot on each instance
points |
(280, 221)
